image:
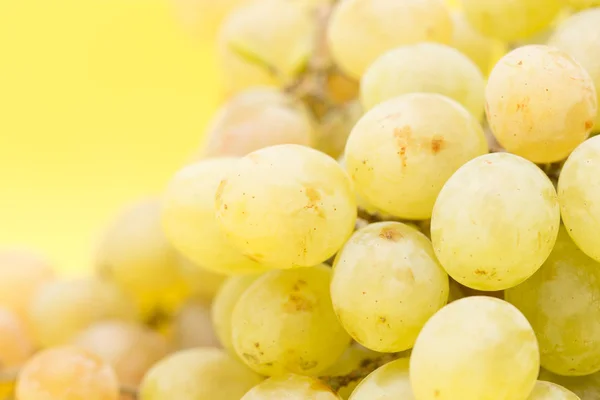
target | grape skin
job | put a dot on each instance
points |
(550, 391)
(388, 382)
(15, 343)
(203, 283)
(586, 387)
(192, 326)
(291, 387)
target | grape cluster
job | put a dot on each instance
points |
(398, 200)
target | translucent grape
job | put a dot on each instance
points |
(386, 284)
(402, 151)
(15, 343)
(495, 222)
(562, 301)
(578, 35)
(409, 69)
(550, 391)
(291, 387)
(335, 127)
(511, 20)
(287, 206)
(198, 374)
(284, 322)
(258, 118)
(193, 327)
(586, 387)
(540, 103)
(189, 218)
(361, 30)
(389, 382)
(478, 348)
(67, 373)
(63, 308)
(203, 283)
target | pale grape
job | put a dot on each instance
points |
(198, 374)
(284, 322)
(192, 326)
(202, 282)
(495, 222)
(579, 196)
(189, 218)
(258, 118)
(67, 373)
(386, 284)
(361, 30)
(586, 387)
(291, 387)
(478, 348)
(540, 103)
(511, 20)
(335, 127)
(63, 308)
(550, 391)
(389, 382)
(562, 301)
(402, 151)
(579, 35)
(425, 68)
(15, 343)
(287, 206)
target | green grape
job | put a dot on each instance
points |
(581, 4)
(63, 308)
(284, 322)
(578, 35)
(291, 387)
(224, 304)
(541, 103)
(203, 283)
(579, 196)
(15, 343)
(335, 127)
(389, 382)
(189, 218)
(130, 348)
(511, 20)
(550, 391)
(495, 222)
(562, 301)
(198, 374)
(586, 387)
(192, 326)
(478, 348)
(425, 68)
(287, 206)
(258, 118)
(402, 151)
(361, 30)
(265, 42)
(386, 284)
(67, 373)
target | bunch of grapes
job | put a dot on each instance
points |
(385, 208)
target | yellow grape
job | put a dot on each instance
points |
(386, 284)
(425, 68)
(402, 151)
(189, 218)
(284, 322)
(540, 103)
(15, 343)
(67, 373)
(291, 387)
(388, 382)
(335, 127)
(192, 326)
(198, 374)
(550, 391)
(361, 30)
(562, 301)
(495, 222)
(258, 118)
(478, 348)
(287, 206)
(202, 282)
(586, 387)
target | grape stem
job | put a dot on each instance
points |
(366, 367)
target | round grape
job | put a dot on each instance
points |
(291, 387)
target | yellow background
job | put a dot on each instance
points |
(100, 102)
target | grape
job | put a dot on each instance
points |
(198, 374)
(586, 387)
(287, 206)
(189, 218)
(15, 344)
(562, 302)
(63, 308)
(361, 30)
(203, 283)
(409, 69)
(258, 118)
(193, 326)
(495, 222)
(578, 35)
(130, 349)
(335, 127)
(284, 322)
(386, 284)
(550, 391)
(402, 151)
(579, 194)
(388, 382)
(478, 348)
(541, 104)
(291, 387)
(224, 304)
(67, 373)
(511, 20)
